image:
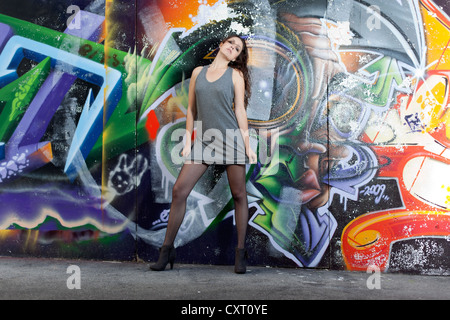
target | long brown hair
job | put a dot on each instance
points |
(241, 64)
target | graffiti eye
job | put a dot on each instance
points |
(345, 115)
(278, 83)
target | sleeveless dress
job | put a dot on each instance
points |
(218, 139)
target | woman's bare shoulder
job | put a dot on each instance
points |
(196, 71)
(238, 76)
(238, 73)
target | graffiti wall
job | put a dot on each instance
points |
(348, 115)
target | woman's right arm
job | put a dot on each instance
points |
(191, 112)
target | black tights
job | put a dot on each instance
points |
(189, 175)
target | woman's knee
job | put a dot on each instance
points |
(179, 192)
(239, 195)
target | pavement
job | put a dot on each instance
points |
(48, 279)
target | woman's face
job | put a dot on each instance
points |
(232, 48)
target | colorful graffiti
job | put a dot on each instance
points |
(348, 114)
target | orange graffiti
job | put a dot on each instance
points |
(152, 125)
(367, 240)
(179, 13)
(419, 158)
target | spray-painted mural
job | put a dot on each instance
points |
(348, 114)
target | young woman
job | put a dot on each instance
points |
(218, 97)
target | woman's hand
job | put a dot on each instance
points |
(251, 155)
(186, 150)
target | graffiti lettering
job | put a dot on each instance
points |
(376, 190)
(349, 117)
(17, 95)
(163, 218)
(91, 121)
(86, 50)
(390, 75)
(414, 122)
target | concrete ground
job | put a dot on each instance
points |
(44, 279)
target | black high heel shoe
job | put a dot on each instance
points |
(167, 255)
(240, 262)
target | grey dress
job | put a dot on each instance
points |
(218, 138)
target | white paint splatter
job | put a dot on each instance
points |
(207, 14)
(339, 33)
(239, 28)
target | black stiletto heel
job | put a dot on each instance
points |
(167, 255)
(240, 263)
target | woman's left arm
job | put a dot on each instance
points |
(241, 113)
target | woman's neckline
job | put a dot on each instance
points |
(206, 74)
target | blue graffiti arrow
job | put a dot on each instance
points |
(90, 126)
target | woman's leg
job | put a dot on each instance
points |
(189, 175)
(236, 179)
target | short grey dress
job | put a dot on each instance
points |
(218, 139)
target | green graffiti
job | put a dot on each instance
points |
(17, 95)
(162, 77)
(121, 132)
(389, 76)
(280, 219)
